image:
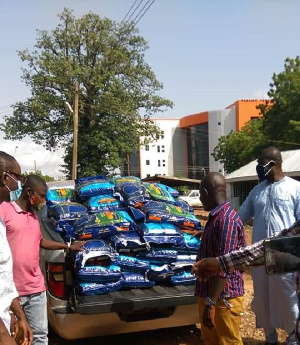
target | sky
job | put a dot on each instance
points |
(207, 53)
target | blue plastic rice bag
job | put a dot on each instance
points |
(102, 274)
(186, 258)
(161, 275)
(58, 195)
(190, 243)
(106, 202)
(95, 252)
(156, 211)
(103, 225)
(136, 280)
(94, 185)
(174, 192)
(161, 233)
(132, 194)
(128, 263)
(86, 288)
(183, 278)
(185, 206)
(129, 242)
(63, 217)
(159, 192)
(120, 179)
(158, 255)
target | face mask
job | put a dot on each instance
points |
(15, 194)
(263, 171)
(41, 206)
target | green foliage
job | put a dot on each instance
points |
(283, 111)
(118, 92)
(46, 178)
(239, 148)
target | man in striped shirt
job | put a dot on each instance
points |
(220, 298)
(240, 259)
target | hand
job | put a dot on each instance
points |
(198, 233)
(24, 335)
(206, 268)
(14, 325)
(209, 316)
(77, 246)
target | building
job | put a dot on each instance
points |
(186, 146)
(240, 182)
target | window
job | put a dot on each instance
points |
(219, 123)
(158, 162)
(164, 163)
(147, 148)
(162, 135)
(162, 148)
(148, 175)
(158, 148)
(147, 162)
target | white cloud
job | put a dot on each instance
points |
(32, 156)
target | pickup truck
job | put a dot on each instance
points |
(74, 316)
(193, 198)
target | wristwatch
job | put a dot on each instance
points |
(209, 301)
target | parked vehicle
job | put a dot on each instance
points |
(74, 316)
(193, 198)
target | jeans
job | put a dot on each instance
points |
(35, 309)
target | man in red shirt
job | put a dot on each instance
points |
(220, 298)
(25, 239)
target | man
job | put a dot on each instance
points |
(10, 175)
(240, 259)
(23, 227)
(275, 205)
(220, 298)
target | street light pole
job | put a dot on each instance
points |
(75, 132)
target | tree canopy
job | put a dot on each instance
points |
(118, 92)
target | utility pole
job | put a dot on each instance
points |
(75, 132)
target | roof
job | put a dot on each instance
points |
(173, 181)
(290, 166)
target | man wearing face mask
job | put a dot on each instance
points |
(25, 239)
(10, 175)
(275, 205)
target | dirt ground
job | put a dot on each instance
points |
(183, 335)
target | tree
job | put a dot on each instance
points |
(239, 148)
(46, 178)
(283, 110)
(118, 92)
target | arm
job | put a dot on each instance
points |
(25, 333)
(5, 338)
(53, 245)
(246, 211)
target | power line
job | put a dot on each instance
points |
(128, 12)
(139, 4)
(146, 10)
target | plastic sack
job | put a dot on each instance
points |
(190, 243)
(183, 278)
(162, 212)
(100, 203)
(158, 255)
(86, 288)
(103, 225)
(129, 263)
(159, 192)
(174, 192)
(100, 274)
(94, 185)
(161, 275)
(132, 194)
(63, 217)
(58, 195)
(120, 179)
(94, 251)
(136, 280)
(128, 243)
(161, 234)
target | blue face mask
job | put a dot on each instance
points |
(15, 194)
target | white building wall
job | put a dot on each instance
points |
(159, 158)
(220, 122)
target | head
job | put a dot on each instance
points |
(34, 193)
(269, 164)
(10, 178)
(212, 190)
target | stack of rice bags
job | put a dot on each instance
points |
(137, 234)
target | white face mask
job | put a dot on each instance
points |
(15, 194)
